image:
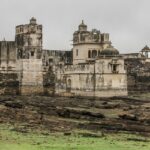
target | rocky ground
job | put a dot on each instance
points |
(61, 114)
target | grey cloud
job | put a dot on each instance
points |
(127, 21)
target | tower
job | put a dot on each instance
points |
(146, 51)
(88, 44)
(82, 27)
(29, 51)
(29, 40)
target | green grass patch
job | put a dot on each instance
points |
(11, 140)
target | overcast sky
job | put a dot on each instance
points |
(127, 21)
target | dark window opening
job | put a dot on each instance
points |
(32, 53)
(77, 52)
(94, 54)
(114, 69)
(69, 86)
(60, 66)
(89, 54)
(50, 60)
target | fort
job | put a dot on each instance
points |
(93, 67)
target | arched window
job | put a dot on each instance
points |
(115, 68)
(94, 54)
(89, 54)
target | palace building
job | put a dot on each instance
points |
(93, 67)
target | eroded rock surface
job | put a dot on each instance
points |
(65, 114)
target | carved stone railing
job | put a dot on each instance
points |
(79, 68)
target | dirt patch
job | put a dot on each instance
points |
(63, 114)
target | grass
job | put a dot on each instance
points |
(11, 140)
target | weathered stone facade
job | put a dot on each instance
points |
(25, 68)
(94, 79)
(138, 75)
(9, 81)
(97, 68)
(88, 44)
(92, 68)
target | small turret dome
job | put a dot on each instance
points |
(33, 20)
(146, 48)
(82, 26)
(110, 51)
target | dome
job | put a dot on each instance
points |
(82, 26)
(75, 33)
(33, 20)
(146, 48)
(110, 51)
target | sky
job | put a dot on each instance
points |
(127, 21)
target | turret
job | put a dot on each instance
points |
(29, 40)
(33, 21)
(88, 44)
(146, 51)
(82, 27)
